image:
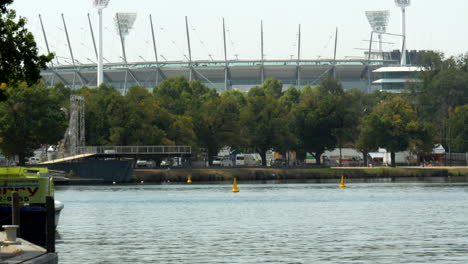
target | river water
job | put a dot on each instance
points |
(264, 223)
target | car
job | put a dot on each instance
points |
(278, 162)
(216, 161)
(33, 160)
(146, 163)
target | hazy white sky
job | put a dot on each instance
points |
(431, 24)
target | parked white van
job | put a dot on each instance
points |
(248, 159)
(226, 161)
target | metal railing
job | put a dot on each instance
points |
(176, 150)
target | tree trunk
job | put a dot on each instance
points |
(364, 158)
(21, 159)
(263, 156)
(210, 157)
(392, 156)
(317, 158)
(301, 155)
(341, 157)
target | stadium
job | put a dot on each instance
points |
(240, 75)
(364, 73)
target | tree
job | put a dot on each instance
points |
(217, 124)
(319, 116)
(264, 124)
(174, 94)
(394, 125)
(443, 87)
(19, 59)
(140, 122)
(28, 118)
(360, 104)
(290, 98)
(104, 110)
(3, 4)
(273, 87)
(458, 135)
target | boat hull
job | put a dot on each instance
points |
(97, 169)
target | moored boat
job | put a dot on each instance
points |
(33, 186)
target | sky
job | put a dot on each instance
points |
(431, 24)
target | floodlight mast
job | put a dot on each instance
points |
(100, 5)
(403, 4)
(123, 24)
(378, 21)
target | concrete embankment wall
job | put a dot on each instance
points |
(325, 175)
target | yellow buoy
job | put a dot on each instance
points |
(342, 182)
(189, 179)
(234, 186)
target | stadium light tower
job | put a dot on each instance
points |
(403, 4)
(123, 24)
(378, 20)
(100, 5)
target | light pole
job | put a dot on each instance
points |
(123, 24)
(403, 4)
(378, 20)
(100, 5)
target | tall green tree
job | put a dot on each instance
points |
(104, 110)
(140, 122)
(443, 86)
(19, 59)
(3, 5)
(217, 124)
(394, 125)
(458, 129)
(264, 124)
(273, 87)
(319, 116)
(30, 117)
(360, 104)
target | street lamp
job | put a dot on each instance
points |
(403, 4)
(100, 5)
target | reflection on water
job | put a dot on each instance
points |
(287, 223)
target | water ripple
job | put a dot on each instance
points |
(295, 223)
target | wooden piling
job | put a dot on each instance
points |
(15, 212)
(50, 224)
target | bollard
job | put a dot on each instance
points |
(189, 179)
(10, 234)
(234, 186)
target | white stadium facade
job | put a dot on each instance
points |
(376, 70)
(222, 75)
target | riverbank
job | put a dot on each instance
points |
(318, 175)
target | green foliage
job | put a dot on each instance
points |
(3, 4)
(31, 116)
(394, 125)
(174, 94)
(458, 132)
(104, 108)
(217, 124)
(273, 87)
(290, 98)
(320, 118)
(19, 59)
(264, 123)
(444, 86)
